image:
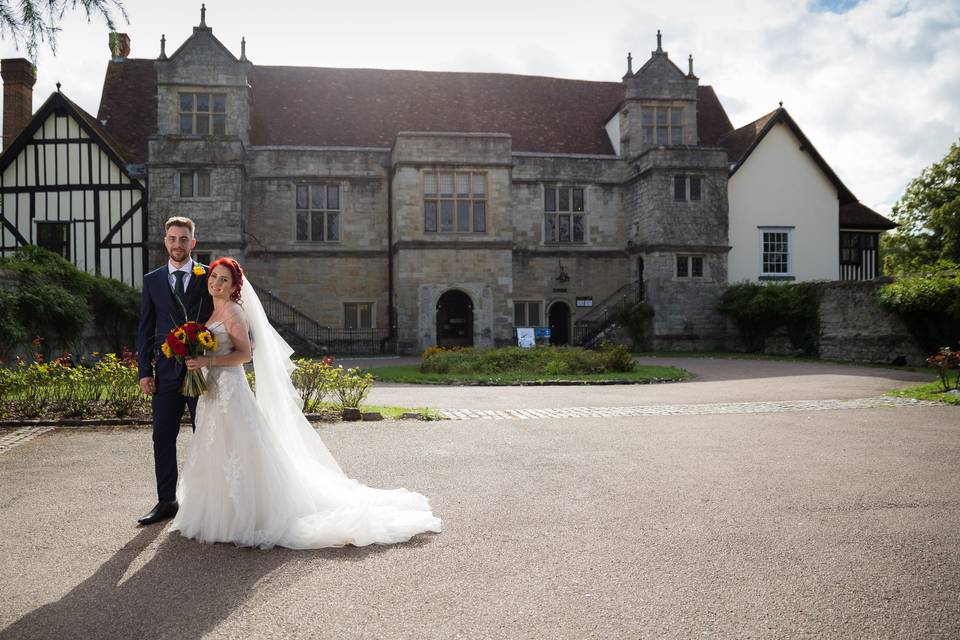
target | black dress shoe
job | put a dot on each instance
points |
(163, 511)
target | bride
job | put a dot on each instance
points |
(257, 474)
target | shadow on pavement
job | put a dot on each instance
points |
(184, 591)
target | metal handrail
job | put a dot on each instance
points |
(593, 323)
(319, 338)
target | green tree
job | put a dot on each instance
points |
(928, 219)
(34, 21)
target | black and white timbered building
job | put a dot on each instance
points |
(65, 187)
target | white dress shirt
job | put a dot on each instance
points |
(186, 268)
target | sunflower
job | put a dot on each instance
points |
(207, 340)
(198, 270)
(180, 334)
(166, 350)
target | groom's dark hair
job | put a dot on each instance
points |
(178, 221)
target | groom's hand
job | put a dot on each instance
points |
(148, 386)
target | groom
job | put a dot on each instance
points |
(172, 294)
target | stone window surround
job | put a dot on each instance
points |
(571, 211)
(671, 125)
(310, 210)
(780, 275)
(357, 303)
(473, 199)
(689, 260)
(196, 190)
(215, 119)
(688, 180)
(526, 313)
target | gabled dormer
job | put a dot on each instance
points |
(660, 104)
(202, 88)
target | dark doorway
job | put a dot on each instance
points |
(641, 293)
(559, 323)
(454, 320)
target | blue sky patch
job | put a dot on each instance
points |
(833, 6)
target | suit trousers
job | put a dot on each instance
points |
(168, 405)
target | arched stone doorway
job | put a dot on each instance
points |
(559, 319)
(454, 320)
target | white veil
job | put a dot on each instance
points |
(276, 395)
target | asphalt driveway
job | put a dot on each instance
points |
(792, 524)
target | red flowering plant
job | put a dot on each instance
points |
(189, 340)
(944, 361)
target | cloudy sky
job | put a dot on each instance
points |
(875, 84)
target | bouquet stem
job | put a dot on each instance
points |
(194, 384)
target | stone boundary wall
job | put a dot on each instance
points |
(853, 327)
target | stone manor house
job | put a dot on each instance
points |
(380, 210)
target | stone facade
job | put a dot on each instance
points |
(635, 229)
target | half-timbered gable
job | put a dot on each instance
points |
(65, 187)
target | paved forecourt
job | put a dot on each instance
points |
(777, 521)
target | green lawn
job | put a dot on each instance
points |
(642, 374)
(930, 391)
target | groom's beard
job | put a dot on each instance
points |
(178, 255)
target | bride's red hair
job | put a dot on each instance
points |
(235, 272)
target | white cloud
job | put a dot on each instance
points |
(875, 85)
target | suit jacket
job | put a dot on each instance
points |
(159, 313)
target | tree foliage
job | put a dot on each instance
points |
(928, 219)
(31, 22)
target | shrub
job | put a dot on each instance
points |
(314, 379)
(118, 377)
(616, 357)
(636, 320)
(758, 310)
(116, 311)
(929, 305)
(351, 386)
(47, 309)
(12, 331)
(553, 361)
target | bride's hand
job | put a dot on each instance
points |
(197, 363)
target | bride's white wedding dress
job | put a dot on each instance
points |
(254, 479)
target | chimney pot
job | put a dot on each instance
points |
(19, 75)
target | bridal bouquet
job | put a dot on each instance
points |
(189, 340)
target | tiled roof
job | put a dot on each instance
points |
(318, 106)
(855, 215)
(712, 120)
(129, 106)
(368, 107)
(740, 141)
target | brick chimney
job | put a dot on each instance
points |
(18, 79)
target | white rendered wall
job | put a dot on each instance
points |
(781, 186)
(613, 132)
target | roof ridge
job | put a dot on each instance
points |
(433, 72)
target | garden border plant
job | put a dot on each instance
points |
(611, 364)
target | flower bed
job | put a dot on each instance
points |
(106, 388)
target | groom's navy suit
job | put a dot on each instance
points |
(159, 313)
